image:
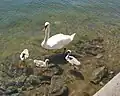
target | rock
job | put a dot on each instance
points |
(29, 71)
(11, 90)
(98, 74)
(111, 74)
(53, 70)
(56, 84)
(45, 79)
(99, 56)
(63, 92)
(56, 70)
(33, 80)
(77, 74)
(29, 63)
(101, 83)
(18, 82)
(2, 92)
(57, 87)
(85, 94)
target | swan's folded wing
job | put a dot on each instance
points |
(74, 60)
(59, 38)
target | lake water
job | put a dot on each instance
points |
(13, 10)
(22, 20)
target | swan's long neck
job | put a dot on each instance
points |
(67, 56)
(46, 63)
(47, 32)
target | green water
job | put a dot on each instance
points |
(21, 21)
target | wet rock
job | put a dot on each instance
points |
(50, 71)
(57, 87)
(29, 63)
(109, 76)
(11, 90)
(99, 56)
(10, 83)
(77, 74)
(63, 92)
(96, 41)
(29, 71)
(33, 80)
(2, 92)
(56, 70)
(18, 82)
(85, 94)
(45, 79)
(92, 47)
(98, 74)
(101, 83)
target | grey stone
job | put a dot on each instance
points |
(57, 87)
(98, 74)
(33, 80)
(11, 90)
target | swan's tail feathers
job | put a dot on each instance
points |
(72, 36)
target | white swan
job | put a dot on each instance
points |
(24, 55)
(57, 41)
(40, 63)
(72, 60)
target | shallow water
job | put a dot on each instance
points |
(22, 20)
(13, 10)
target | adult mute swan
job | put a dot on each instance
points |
(24, 55)
(57, 41)
(72, 60)
(40, 63)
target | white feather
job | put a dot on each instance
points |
(57, 41)
(25, 53)
(72, 60)
(40, 63)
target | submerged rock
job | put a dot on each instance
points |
(57, 87)
(11, 90)
(98, 74)
(33, 80)
(77, 74)
(99, 56)
(18, 82)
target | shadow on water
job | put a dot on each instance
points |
(57, 58)
(77, 74)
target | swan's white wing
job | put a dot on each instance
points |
(73, 60)
(59, 39)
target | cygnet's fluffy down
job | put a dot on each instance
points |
(24, 55)
(71, 59)
(40, 63)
